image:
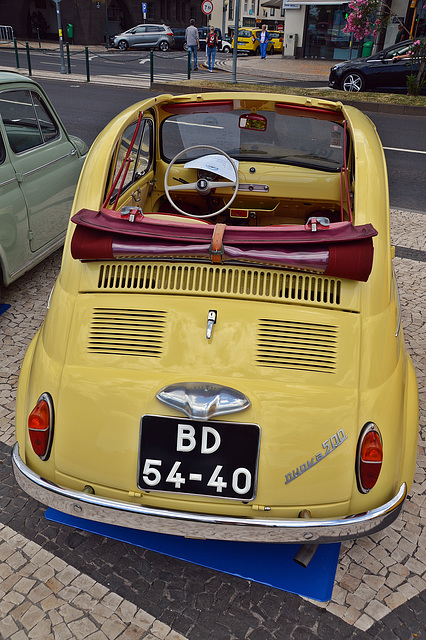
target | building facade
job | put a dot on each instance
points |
(315, 29)
(92, 19)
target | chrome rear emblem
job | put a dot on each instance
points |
(203, 400)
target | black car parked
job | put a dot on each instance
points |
(376, 72)
(179, 35)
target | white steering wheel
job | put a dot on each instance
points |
(203, 186)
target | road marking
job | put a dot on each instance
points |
(404, 150)
(143, 61)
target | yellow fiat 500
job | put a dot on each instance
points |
(222, 356)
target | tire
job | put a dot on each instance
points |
(123, 45)
(163, 46)
(353, 81)
(185, 46)
(226, 49)
(257, 52)
(271, 51)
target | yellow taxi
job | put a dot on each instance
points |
(223, 356)
(249, 41)
(277, 39)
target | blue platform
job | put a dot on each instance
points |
(269, 564)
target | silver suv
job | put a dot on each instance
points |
(145, 36)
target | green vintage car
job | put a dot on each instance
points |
(40, 164)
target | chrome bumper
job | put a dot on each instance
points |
(197, 525)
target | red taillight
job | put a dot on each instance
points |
(40, 426)
(253, 39)
(370, 457)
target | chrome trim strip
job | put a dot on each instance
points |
(43, 166)
(197, 525)
(7, 182)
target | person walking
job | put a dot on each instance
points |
(264, 39)
(211, 48)
(193, 42)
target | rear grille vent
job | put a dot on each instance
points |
(295, 345)
(221, 281)
(129, 332)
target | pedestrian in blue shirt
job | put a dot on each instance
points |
(264, 39)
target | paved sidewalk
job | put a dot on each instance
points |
(57, 583)
(281, 68)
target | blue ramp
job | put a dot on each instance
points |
(269, 564)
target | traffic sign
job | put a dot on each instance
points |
(144, 7)
(207, 7)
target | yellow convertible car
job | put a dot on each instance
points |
(222, 356)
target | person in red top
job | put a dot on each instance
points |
(211, 48)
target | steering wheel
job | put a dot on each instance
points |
(203, 186)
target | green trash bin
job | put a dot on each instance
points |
(367, 48)
(70, 31)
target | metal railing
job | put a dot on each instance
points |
(115, 57)
(6, 34)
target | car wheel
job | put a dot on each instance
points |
(257, 52)
(353, 82)
(123, 45)
(163, 46)
(226, 49)
(271, 51)
(185, 46)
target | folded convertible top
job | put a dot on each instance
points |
(339, 249)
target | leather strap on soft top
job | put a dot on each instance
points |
(216, 247)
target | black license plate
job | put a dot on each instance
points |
(212, 458)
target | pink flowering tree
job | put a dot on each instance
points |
(366, 17)
(417, 55)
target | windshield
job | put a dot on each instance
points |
(287, 139)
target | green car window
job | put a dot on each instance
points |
(27, 120)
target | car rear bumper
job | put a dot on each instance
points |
(205, 526)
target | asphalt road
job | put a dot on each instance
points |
(86, 108)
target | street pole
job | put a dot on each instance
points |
(61, 41)
(106, 25)
(234, 53)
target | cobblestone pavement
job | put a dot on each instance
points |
(58, 583)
